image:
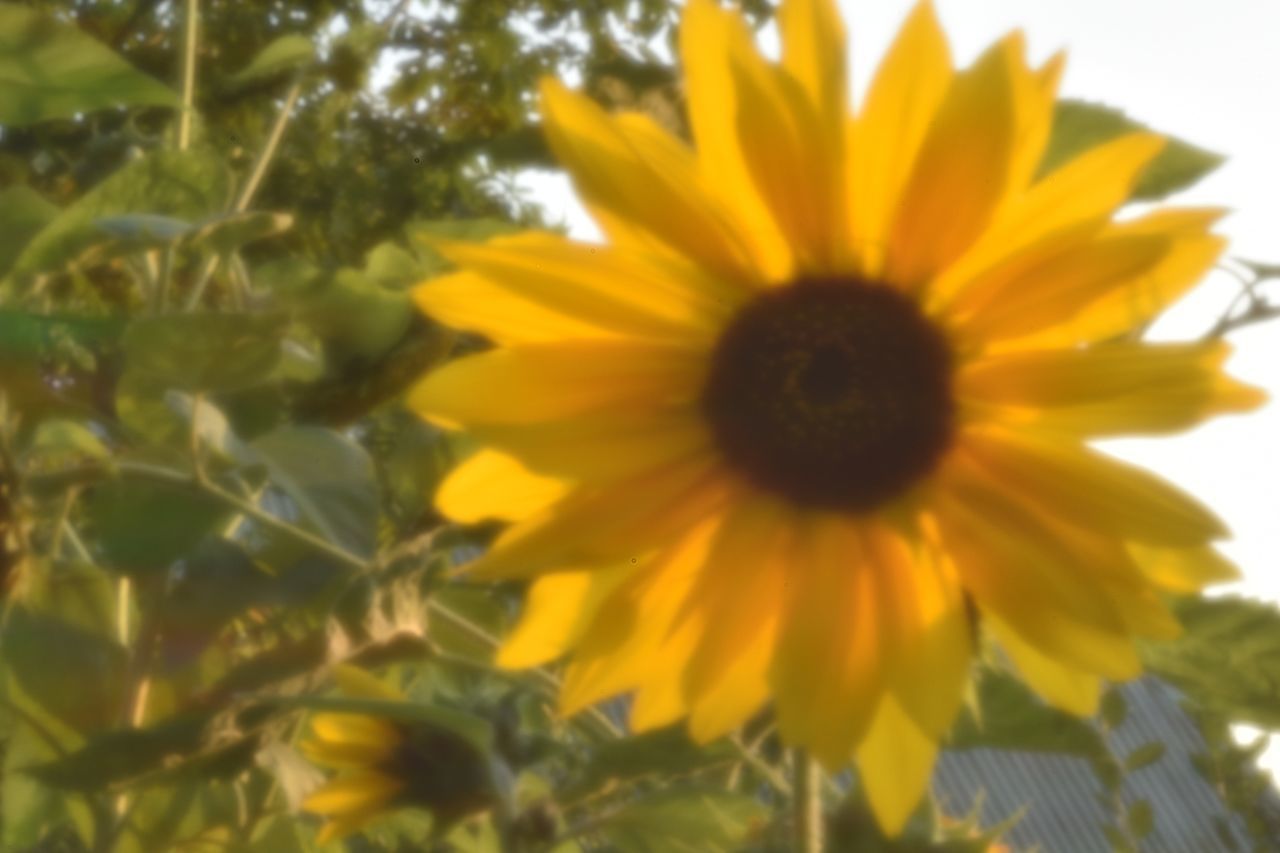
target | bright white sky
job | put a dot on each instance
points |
(1207, 72)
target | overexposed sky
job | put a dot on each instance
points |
(1205, 71)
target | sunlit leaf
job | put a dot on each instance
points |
(1013, 718)
(50, 69)
(204, 352)
(1078, 126)
(286, 53)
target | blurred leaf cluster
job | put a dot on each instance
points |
(211, 493)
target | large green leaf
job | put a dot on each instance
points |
(50, 69)
(141, 527)
(329, 478)
(287, 53)
(662, 751)
(675, 820)
(70, 673)
(23, 212)
(1227, 659)
(205, 352)
(120, 754)
(1011, 717)
(1078, 126)
(187, 185)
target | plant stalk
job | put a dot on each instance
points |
(806, 802)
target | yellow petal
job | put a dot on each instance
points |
(1035, 95)
(355, 729)
(464, 300)
(1026, 572)
(1108, 389)
(536, 382)
(814, 53)
(364, 793)
(631, 643)
(832, 646)
(1054, 290)
(960, 175)
(489, 484)
(622, 520)
(657, 188)
(558, 609)
(778, 126)
(1071, 481)
(900, 106)
(1185, 570)
(735, 597)
(1063, 687)
(355, 756)
(1069, 204)
(600, 447)
(740, 693)
(895, 761)
(601, 286)
(931, 647)
(1135, 304)
(706, 32)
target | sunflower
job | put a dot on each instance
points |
(385, 764)
(818, 410)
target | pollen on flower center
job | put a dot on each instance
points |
(834, 393)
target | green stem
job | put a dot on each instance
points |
(188, 75)
(806, 802)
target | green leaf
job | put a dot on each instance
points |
(1144, 756)
(143, 527)
(286, 53)
(61, 442)
(113, 756)
(50, 69)
(23, 212)
(1114, 709)
(204, 352)
(226, 233)
(29, 811)
(331, 480)
(1013, 718)
(665, 751)
(187, 185)
(675, 820)
(71, 674)
(141, 231)
(1079, 126)
(1227, 659)
(1141, 818)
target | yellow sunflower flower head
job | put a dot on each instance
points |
(383, 765)
(828, 386)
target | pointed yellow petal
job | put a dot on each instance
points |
(778, 125)
(355, 729)
(960, 175)
(1054, 290)
(489, 484)
(602, 286)
(618, 521)
(464, 300)
(900, 107)
(1035, 96)
(814, 53)
(1108, 389)
(740, 693)
(354, 756)
(1071, 203)
(597, 448)
(1025, 571)
(1184, 570)
(1071, 481)
(354, 794)
(654, 187)
(895, 761)
(832, 646)
(632, 642)
(930, 651)
(735, 597)
(706, 32)
(558, 609)
(536, 382)
(1063, 687)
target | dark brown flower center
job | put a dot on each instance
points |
(834, 393)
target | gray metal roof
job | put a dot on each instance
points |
(1062, 796)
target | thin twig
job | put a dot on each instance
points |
(269, 149)
(189, 75)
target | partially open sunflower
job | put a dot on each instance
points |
(819, 409)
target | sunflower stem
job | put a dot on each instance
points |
(806, 802)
